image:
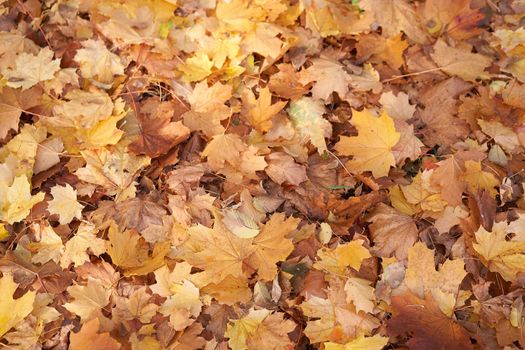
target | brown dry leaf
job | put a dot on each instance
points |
(272, 333)
(89, 338)
(395, 16)
(12, 104)
(158, 134)
(329, 76)
(460, 62)
(430, 329)
(286, 83)
(392, 232)
(448, 176)
(397, 106)
(283, 169)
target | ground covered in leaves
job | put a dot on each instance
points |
(262, 174)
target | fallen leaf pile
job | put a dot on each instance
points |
(262, 174)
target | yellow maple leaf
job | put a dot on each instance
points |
(49, 245)
(500, 254)
(127, 249)
(343, 256)
(13, 311)
(65, 204)
(421, 277)
(216, 251)
(239, 330)
(89, 300)
(196, 67)
(84, 240)
(272, 333)
(32, 69)
(477, 178)
(372, 147)
(376, 342)
(261, 111)
(182, 304)
(96, 61)
(208, 108)
(17, 203)
(272, 246)
(423, 193)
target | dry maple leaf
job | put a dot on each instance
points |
(286, 83)
(17, 201)
(84, 240)
(337, 260)
(49, 245)
(479, 179)
(216, 251)
(239, 330)
(503, 135)
(260, 112)
(334, 319)
(499, 254)
(283, 169)
(65, 204)
(13, 103)
(372, 148)
(208, 108)
(272, 333)
(127, 249)
(89, 300)
(429, 328)
(376, 342)
(157, 133)
(13, 311)
(395, 16)
(397, 106)
(96, 61)
(271, 245)
(466, 65)
(392, 232)
(89, 338)
(32, 69)
(307, 117)
(423, 280)
(329, 76)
